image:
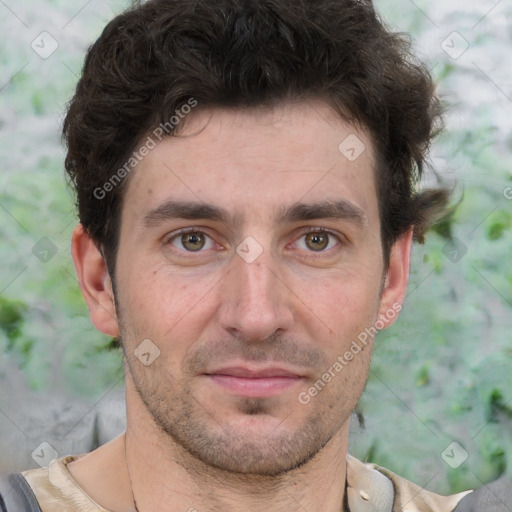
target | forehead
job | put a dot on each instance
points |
(254, 161)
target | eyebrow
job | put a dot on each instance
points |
(185, 210)
(340, 209)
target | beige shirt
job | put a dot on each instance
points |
(370, 488)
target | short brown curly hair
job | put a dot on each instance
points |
(152, 59)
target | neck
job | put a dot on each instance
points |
(166, 477)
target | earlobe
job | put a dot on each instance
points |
(397, 277)
(94, 282)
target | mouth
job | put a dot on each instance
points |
(252, 382)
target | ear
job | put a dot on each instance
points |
(396, 279)
(94, 282)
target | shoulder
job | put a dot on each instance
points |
(493, 497)
(371, 488)
(16, 494)
(56, 490)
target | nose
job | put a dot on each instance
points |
(256, 301)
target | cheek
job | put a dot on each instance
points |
(156, 293)
(345, 304)
(166, 306)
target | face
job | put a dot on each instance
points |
(250, 257)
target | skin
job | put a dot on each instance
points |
(190, 442)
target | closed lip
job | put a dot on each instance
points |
(255, 373)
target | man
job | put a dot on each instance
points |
(246, 186)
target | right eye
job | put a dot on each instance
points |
(191, 240)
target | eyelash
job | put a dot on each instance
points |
(326, 231)
(305, 232)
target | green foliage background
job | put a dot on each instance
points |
(442, 373)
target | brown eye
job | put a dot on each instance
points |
(317, 241)
(193, 241)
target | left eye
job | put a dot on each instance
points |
(192, 241)
(318, 241)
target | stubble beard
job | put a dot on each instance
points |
(180, 416)
(188, 424)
